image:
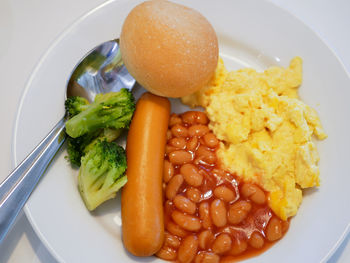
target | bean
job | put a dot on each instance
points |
(168, 207)
(188, 249)
(224, 193)
(198, 130)
(175, 229)
(166, 253)
(179, 130)
(254, 193)
(222, 244)
(189, 117)
(192, 117)
(174, 119)
(238, 212)
(168, 171)
(180, 157)
(169, 149)
(186, 222)
(192, 144)
(285, 226)
(168, 134)
(256, 240)
(238, 247)
(178, 142)
(171, 240)
(201, 118)
(204, 154)
(210, 140)
(173, 186)
(184, 204)
(193, 194)
(274, 229)
(204, 215)
(207, 257)
(191, 174)
(205, 239)
(218, 213)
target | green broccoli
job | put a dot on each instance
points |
(110, 110)
(102, 173)
(74, 105)
(76, 147)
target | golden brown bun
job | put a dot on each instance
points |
(171, 50)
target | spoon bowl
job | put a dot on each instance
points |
(99, 71)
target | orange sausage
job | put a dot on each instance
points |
(142, 204)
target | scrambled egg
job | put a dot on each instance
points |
(266, 130)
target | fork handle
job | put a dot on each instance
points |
(17, 187)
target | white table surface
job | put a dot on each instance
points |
(29, 27)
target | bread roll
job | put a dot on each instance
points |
(171, 50)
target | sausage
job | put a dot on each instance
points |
(142, 204)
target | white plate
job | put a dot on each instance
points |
(251, 33)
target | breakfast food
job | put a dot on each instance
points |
(142, 208)
(213, 186)
(210, 215)
(266, 130)
(170, 49)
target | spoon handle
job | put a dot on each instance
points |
(17, 187)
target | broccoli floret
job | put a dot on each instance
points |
(110, 110)
(106, 134)
(74, 105)
(76, 146)
(102, 173)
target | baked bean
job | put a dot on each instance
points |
(198, 130)
(168, 135)
(207, 257)
(285, 226)
(231, 215)
(204, 154)
(238, 247)
(205, 239)
(210, 140)
(175, 229)
(187, 222)
(171, 240)
(193, 117)
(204, 215)
(179, 130)
(166, 253)
(180, 157)
(201, 118)
(192, 144)
(184, 204)
(274, 229)
(218, 213)
(173, 186)
(238, 211)
(222, 244)
(194, 194)
(168, 171)
(174, 119)
(189, 117)
(178, 142)
(188, 249)
(169, 149)
(256, 240)
(254, 193)
(224, 193)
(191, 174)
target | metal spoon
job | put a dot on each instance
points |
(100, 71)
